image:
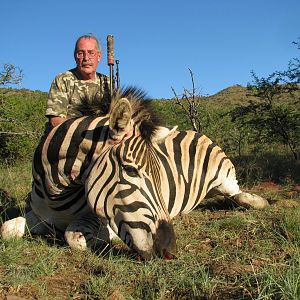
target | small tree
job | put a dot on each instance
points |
(10, 75)
(9, 111)
(275, 111)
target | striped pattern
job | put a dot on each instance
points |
(59, 166)
(136, 186)
(146, 182)
(169, 178)
(192, 166)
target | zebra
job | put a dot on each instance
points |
(124, 174)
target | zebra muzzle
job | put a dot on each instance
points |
(165, 241)
(168, 256)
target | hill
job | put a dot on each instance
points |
(10, 92)
(232, 95)
(237, 95)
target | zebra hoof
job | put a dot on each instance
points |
(76, 240)
(14, 228)
(251, 201)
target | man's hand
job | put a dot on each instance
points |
(54, 121)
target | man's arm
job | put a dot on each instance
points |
(57, 102)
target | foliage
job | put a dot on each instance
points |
(21, 122)
(276, 166)
(271, 119)
(10, 75)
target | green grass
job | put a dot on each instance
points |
(222, 254)
(220, 257)
(16, 179)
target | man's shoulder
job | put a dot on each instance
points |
(67, 75)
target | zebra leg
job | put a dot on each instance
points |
(250, 200)
(88, 231)
(230, 188)
(15, 228)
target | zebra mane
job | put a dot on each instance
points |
(92, 105)
(143, 113)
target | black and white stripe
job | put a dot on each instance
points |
(135, 178)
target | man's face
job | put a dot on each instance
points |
(87, 57)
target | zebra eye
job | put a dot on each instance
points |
(131, 171)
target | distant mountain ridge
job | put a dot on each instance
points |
(236, 93)
(232, 95)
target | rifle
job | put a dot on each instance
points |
(114, 82)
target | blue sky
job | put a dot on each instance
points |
(156, 41)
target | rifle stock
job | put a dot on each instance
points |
(110, 63)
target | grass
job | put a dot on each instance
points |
(223, 254)
(15, 181)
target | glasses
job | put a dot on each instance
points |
(88, 53)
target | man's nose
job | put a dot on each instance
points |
(86, 55)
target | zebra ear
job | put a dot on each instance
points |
(161, 134)
(120, 119)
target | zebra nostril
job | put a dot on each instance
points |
(167, 255)
(128, 242)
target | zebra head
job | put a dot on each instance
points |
(124, 183)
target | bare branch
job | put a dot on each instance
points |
(189, 103)
(7, 120)
(28, 133)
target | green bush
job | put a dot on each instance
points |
(21, 124)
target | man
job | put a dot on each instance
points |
(69, 88)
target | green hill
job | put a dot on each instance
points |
(232, 95)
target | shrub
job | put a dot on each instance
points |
(21, 123)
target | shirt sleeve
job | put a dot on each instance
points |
(57, 101)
